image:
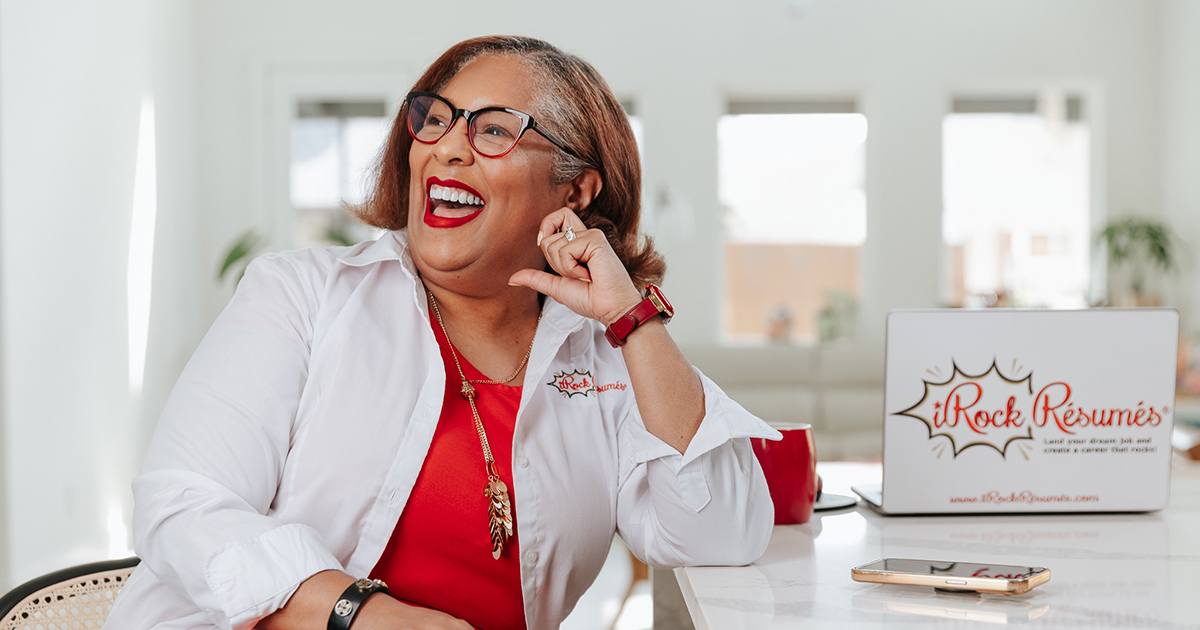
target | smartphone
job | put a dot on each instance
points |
(953, 576)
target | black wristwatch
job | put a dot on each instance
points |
(352, 598)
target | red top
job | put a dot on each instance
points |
(440, 554)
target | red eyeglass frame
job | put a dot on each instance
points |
(527, 123)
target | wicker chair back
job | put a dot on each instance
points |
(77, 597)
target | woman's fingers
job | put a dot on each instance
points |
(568, 244)
(591, 279)
(570, 257)
(559, 220)
(540, 281)
(568, 291)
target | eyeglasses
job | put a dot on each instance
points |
(492, 131)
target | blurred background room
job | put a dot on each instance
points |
(808, 166)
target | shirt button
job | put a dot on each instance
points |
(522, 461)
(531, 556)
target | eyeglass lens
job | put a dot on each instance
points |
(492, 132)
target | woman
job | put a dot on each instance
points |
(441, 409)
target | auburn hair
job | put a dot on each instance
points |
(577, 106)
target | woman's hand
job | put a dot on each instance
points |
(594, 283)
(591, 281)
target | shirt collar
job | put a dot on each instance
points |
(560, 317)
(391, 246)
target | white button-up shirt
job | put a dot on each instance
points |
(296, 433)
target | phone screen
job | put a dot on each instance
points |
(955, 569)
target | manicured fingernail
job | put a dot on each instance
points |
(513, 284)
(539, 238)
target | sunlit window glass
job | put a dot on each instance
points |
(1016, 216)
(636, 124)
(333, 148)
(792, 184)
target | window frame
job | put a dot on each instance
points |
(829, 103)
(1086, 103)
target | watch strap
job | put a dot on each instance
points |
(654, 303)
(351, 600)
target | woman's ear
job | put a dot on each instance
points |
(584, 189)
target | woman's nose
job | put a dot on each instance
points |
(455, 146)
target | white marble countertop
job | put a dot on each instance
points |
(1107, 570)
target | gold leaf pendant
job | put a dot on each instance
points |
(500, 519)
(499, 514)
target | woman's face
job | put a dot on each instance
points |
(482, 245)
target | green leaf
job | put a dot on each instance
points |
(1131, 240)
(245, 245)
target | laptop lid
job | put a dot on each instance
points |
(1028, 410)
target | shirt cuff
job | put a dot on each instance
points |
(723, 420)
(254, 577)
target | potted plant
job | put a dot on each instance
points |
(1136, 248)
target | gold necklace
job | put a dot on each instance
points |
(499, 507)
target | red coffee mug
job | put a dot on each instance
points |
(790, 466)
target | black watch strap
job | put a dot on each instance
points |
(352, 598)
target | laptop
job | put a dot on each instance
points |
(1017, 411)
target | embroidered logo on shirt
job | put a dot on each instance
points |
(575, 382)
(610, 386)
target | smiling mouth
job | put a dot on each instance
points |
(451, 201)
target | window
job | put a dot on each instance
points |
(635, 124)
(791, 178)
(333, 148)
(1016, 215)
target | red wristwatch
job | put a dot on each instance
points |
(655, 304)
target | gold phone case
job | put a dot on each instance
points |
(999, 586)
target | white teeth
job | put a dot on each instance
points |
(453, 195)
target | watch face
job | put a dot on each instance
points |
(664, 307)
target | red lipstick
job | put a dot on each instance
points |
(435, 221)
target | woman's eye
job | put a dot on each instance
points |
(495, 131)
(435, 121)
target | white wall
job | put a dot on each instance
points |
(72, 80)
(1181, 145)
(680, 63)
